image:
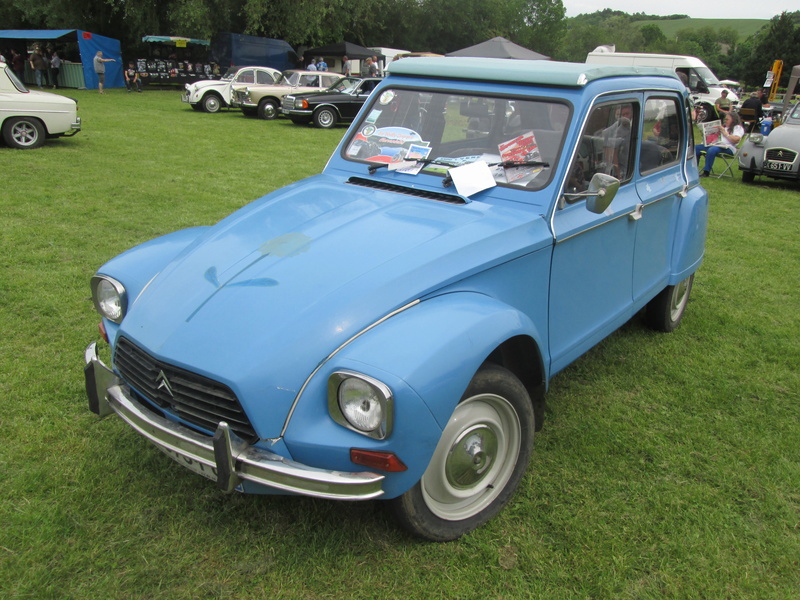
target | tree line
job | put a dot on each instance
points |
(439, 26)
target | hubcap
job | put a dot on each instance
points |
(269, 111)
(212, 104)
(325, 118)
(474, 459)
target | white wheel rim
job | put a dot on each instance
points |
(680, 296)
(474, 459)
(212, 105)
(24, 134)
(325, 118)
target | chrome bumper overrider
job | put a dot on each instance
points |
(225, 458)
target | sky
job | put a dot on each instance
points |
(733, 9)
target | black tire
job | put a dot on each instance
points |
(665, 311)
(24, 133)
(748, 177)
(300, 120)
(705, 112)
(267, 109)
(211, 103)
(325, 118)
(478, 462)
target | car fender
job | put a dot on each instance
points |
(427, 355)
(690, 234)
(333, 107)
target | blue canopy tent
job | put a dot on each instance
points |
(88, 45)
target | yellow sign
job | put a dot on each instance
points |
(180, 43)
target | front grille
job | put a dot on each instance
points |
(401, 189)
(194, 398)
(288, 102)
(781, 154)
(240, 96)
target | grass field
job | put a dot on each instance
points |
(668, 468)
(744, 27)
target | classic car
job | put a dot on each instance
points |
(776, 154)
(387, 329)
(340, 103)
(27, 117)
(210, 95)
(265, 100)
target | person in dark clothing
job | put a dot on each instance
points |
(754, 103)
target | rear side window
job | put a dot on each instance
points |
(662, 137)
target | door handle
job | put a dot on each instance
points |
(637, 213)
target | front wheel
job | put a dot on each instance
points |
(665, 311)
(478, 462)
(748, 177)
(267, 109)
(211, 103)
(325, 118)
(23, 133)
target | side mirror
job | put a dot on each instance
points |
(601, 192)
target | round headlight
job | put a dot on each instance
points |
(110, 298)
(360, 404)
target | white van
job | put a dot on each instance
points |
(704, 85)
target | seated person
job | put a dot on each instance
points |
(723, 104)
(753, 103)
(730, 134)
(132, 78)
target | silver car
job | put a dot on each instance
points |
(776, 155)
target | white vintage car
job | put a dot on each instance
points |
(30, 116)
(211, 95)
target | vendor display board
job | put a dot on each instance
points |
(157, 71)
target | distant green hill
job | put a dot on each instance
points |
(745, 27)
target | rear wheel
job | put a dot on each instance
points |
(478, 462)
(267, 109)
(665, 311)
(23, 132)
(211, 103)
(325, 118)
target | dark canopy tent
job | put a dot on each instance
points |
(351, 51)
(499, 47)
(88, 44)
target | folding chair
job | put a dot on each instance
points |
(731, 159)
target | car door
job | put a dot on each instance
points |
(353, 102)
(660, 186)
(590, 281)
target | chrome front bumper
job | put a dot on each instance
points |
(225, 458)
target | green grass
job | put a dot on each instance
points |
(744, 27)
(668, 467)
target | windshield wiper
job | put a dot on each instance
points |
(422, 161)
(520, 163)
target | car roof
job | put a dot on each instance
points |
(544, 72)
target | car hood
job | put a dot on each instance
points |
(36, 98)
(265, 295)
(785, 136)
(207, 83)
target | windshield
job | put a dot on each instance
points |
(707, 76)
(17, 83)
(345, 85)
(291, 78)
(230, 73)
(439, 131)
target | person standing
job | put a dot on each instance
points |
(18, 65)
(55, 69)
(38, 66)
(321, 64)
(100, 69)
(345, 66)
(312, 66)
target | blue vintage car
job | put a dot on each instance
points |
(388, 328)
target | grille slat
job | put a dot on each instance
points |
(197, 399)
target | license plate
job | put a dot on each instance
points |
(191, 464)
(778, 166)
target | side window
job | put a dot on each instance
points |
(605, 145)
(263, 77)
(245, 77)
(662, 140)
